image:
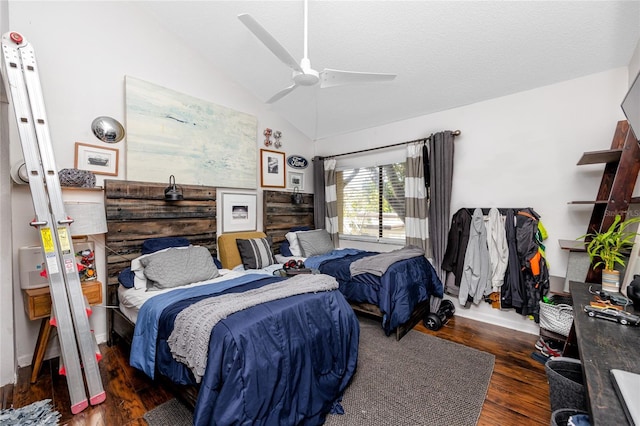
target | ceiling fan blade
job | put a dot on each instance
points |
(281, 94)
(332, 78)
(268, 40)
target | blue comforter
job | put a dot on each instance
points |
(405, 284)
(283, 362)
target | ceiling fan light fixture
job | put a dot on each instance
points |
(308, 78)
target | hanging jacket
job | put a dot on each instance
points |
(457, 240)
(475, 274)
(535, 269)
(511, 292)
(498, 248)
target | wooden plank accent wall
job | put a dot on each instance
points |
(280, 215)
(137, 210)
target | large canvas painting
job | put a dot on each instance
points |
(200, 143)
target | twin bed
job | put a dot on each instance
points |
(264, 358)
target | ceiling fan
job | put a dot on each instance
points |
(303, 74)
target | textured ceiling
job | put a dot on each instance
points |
(446, 54)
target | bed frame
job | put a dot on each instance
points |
(136, 211)
(280, 215)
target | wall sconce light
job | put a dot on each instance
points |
(296, 197)
(172, 192)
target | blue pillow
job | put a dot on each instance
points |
(126, 277)
(300, 228)
(152, 245)
(217, 262)
(285, 249)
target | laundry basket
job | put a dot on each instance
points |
(557, 316)
(566, 384)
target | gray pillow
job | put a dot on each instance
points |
(178, 266)
(315, 242)
(256, 253)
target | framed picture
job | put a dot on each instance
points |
(99, 160)
(295, 180)
(272, 168)
(239, 212)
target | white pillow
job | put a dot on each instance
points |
(294, 244)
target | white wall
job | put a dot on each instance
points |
(520, 151)
(634, 64)
(84, 50)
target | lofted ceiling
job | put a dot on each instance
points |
(445, 53)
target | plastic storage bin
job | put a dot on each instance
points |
(566, 384)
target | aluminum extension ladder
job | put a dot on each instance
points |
(77, 343)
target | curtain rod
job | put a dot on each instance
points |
(454, 133)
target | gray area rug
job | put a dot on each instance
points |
(420, 380)
(171, 413)
(40, 413)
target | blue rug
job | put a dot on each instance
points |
(39, 413)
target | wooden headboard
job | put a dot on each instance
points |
(280, 215)
(137, 210)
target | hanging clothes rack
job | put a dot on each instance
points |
(501, 210)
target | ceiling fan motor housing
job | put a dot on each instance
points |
(307, 78)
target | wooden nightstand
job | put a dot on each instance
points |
(37, 305)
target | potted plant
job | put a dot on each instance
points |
(609, 248)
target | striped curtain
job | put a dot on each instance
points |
(416, 201)
(331, 200)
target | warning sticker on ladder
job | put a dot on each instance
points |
(68, 265)
(63, 238)
(52, 263)
(47, 240)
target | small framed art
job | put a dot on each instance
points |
(295, 180)
(272, 169)
(239, 212)
(99, 160)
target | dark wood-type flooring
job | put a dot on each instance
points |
(518, 393)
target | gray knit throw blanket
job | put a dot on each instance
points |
(189, 340)
(378, 264)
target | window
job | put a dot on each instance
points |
(371, 202)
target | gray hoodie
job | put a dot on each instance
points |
(475, 273)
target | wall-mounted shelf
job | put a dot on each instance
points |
(78, 188)
(622, 164)
(572, 245)
(600, 157)
(589, 202)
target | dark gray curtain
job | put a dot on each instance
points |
(319, 207)
(441, 176)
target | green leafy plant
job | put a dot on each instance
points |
(608, 248)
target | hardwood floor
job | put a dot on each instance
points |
(518, 392)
